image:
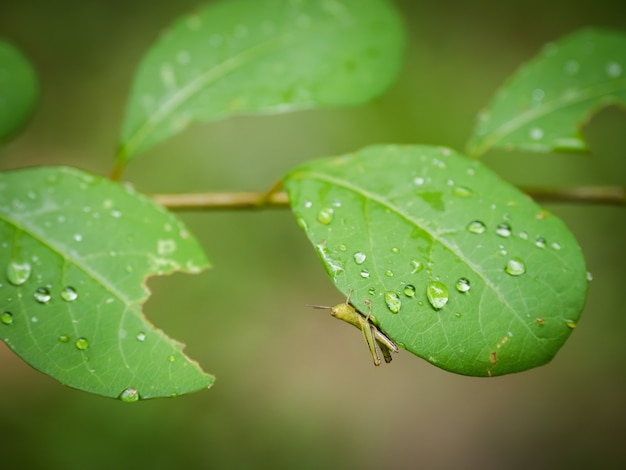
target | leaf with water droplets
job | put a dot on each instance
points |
(543, 105)
(72, 307)
(261, 56)
(456, 278)
(19, 90)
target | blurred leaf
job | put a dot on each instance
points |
(484, 282)
(75, 253)
(18, 90)
(543, 105)
(261, 56)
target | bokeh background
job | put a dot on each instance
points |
(295, 388)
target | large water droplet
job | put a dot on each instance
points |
(325, 216)
(6, 318)
(69, 294)
(42, 295)
(463, 285)
(18, 273)
(359, 258)
(504, 230)
(476, 227)
(393, 301)
(129, 395)
(515, 267)
(81, 343)
(409, 290)
(437, 293)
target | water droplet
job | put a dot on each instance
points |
(458, 314)
(63, 339)
(555, 246)
(535, 133)
(589, 276)
(164, 247)
(418, 181)
(463, 285)
(69, 294)
(515, 267)
(81, 343)
(540, 242)
(393, 301)
(538, 94)
(523, 235)
(389, 273)
(395, 250)
(416, 266)
(6, 318)
(170, 358)
(42, 295)
(141, 336)
(409, 290)
(571, 67)
(613, 69)
(371, 291)
(462, 191)
(540, 321)
(365, 274)
(129, 395)
(343, 247)
(570, 323)
(325, 216)
(78, 237)
(476, 227)
(437, 293)
(18, 273)
(504, 230)
(359, 258)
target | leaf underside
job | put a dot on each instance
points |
(75, 251)
(461, 268)
(544, 104)
(261, 56)
(18, 90)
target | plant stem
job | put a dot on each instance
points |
(603, 195)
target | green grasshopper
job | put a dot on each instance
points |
(374, 337)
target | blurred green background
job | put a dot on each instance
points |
(295, 388)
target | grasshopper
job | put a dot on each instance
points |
(374, 337)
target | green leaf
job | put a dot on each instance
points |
(261, 56)
(75, 251)
(19, 90)
(542, 106)
(461, 268)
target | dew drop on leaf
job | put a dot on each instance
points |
(462, 191)
(504, 230)
(515, 267)
(476, 227)
(63, 339)
(437, 293)
(325, 216)
(365, 273)
(555, 246)
(42, 295)
(359, 258)
(6, 318)
(141, 336)
(69, 294)
(416, 266)
(389, 273)
(170, 358)
(540, 321)
(18, 273)
(409, 290)
(540, 242)
(393, 301)
(613, 69)
(129, 395)
(570, 323)
(81, 343)
(463, 285)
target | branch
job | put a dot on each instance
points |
(602, 195)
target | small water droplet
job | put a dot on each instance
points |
(389, 273)
(523, 235)
(555, 246)
(69, 294)
(342, 247)
(571, 67)
(395, 250)
(393, 301)
(463, 285)
(418, 181)
(416, 266)
(570, 323)
(365, 274)
(371, 291)
(81, 343)
(42, 295)
(504, 230)
(462, 191)
(476, 227)
(78, 237)
(540, 321)
(540, 242)
(538, 94)
(535, 133)
(6, 318)
(458, 314)
(141, 336)
(613, 69)
(63, 339)
(325, 216)
(129, 395)
(515, 267)
(170, 358)
(589, 276)
(437, 293)
(359, 258)
(18, 273)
